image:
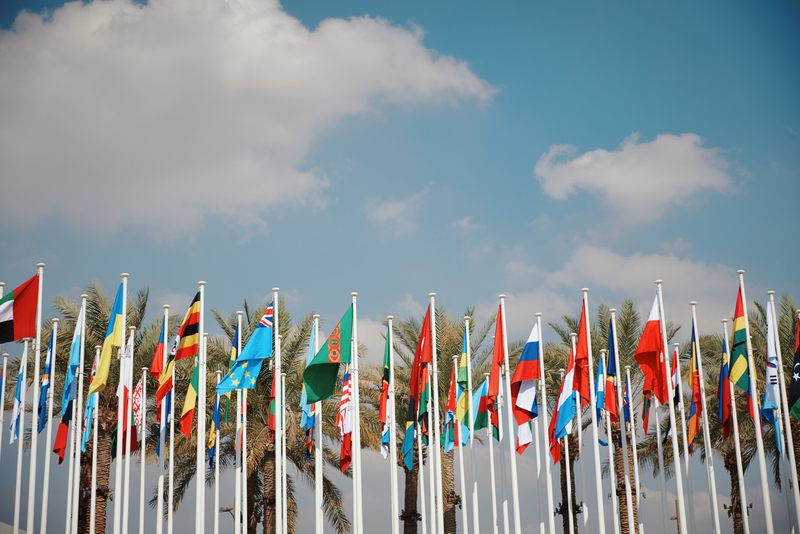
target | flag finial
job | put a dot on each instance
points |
(124, 275)
(41, 266)
(538, 314)
(275, 289)
(166, 306)
(388, 317)
(740, 271)
(693, 303)
(659, 282)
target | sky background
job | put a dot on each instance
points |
(400, 148)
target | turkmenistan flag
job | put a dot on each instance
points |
(794, 388)
(320, 375)
(18, 312)
(739, 374)
(190, 402)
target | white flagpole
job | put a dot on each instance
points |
(421, 473)
(762, 464)
(143, 451)
(279, 504)
(20, 439)
(612, 471)
(476, 527)
(567, 465)
(540, 494)
(200, 473)
(170, 492)
(490, 439)
(237, 505)
(34, 413)
(318, 460)
(216, 463)
(50, 390)
(354, 460)
(692, 523)
(672, 421)
(506, 520)
(512, 445)
(392, 435)
(77, 414)
(118, 482)
(126, 418)
(786, 423)
(95, 418)
(437, 450)
(431, 457)
(162, 431)
(622, 425)
(3, 388)
(545, 436)
(737, 446)
(459, 444)
(283, 448)
(636, 484)
(579, 417)
(357, 403)
(601, 519)
(664, 512)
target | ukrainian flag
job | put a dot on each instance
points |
(113, 339)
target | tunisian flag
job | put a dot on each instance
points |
(648, 355)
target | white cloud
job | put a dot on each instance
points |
(411, 307)
(676, 246)
(122, 113)
(466, 225)
(370, 334)
(640, 181)
(397, 214)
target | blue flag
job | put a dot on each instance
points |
(245, 370)
(72, 366)
(45, 385)
(15, 414)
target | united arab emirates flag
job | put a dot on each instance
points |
(794, 388)
(18, 312)
(320, 375)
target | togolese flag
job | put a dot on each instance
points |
(321, 373)
(113, 339)
(18, 312)
(739, 374)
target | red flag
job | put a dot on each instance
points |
(649, 356)
(581, 380)
(424, 354)
(344, 422)
(498, 356)
(555, 445)
(273, 406)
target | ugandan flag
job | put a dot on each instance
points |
(18, 312)
(738, 370)
(190, 403)
(321, 374)
(190, 331)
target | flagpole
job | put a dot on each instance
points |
(283, 448)
(357, 434)
(664, 512)
(437, 450)
(579, 414)
(170, 493)
(318, 460)
(143, 451)
(237, 505)
(473, 475)
(50, 390)
(504, 496)
(567, 466)
(459, 443)
(354, 431)
(3, 388)
(615, 509)
(245, 518)
(622, 427)
(490, 439)
(96, 418)
(77, 414)
(21, 432)
(737, 446)
(34, 413)
(216, 463)
(162, 431)
(545, 436)
(392, 434)
(200, 473)
(637, 486)
(692, 523)
(786, 422)
(762, 464)
(511, 441)
(539, 493)
(127, 432)
(431, 456)
(118, 482)
(279, 504)
(421, 472)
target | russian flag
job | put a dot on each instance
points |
(523, 389)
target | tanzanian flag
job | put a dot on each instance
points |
(320, 375)
(739, 373)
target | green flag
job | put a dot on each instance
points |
(320, 375)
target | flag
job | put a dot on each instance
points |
(162, 428)
(418, 390)
(383, 405)
(724, 394)
(212, 442)
(190, 403)
(626, 411)
(462, 402)
(157, 367)
(247, 367)
(523, 390)
(308, 419)
(344, 421)
(772, 394)
(189, 332)
(72, 366)
(62, 435)
(581, 377)
(321, 374)
(695, 408)
(165, 381)
(124, 386)
(113, 338)
(676, 398)
(453, 429)
(272, 418)
(91, 402)
(600, 393)
(480, 403)
(566, 404)
(646, 412)
(794, 388)
(138, 402)
(18, 400)
(649, 355)
(234, 349)
(408, 436)
(737, 369)
(610, 404)
(498, 356)
(48, 362)
(18, 312)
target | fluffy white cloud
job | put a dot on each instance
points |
(466, 225)
(639, 181)
(120, 113)
(396, 214)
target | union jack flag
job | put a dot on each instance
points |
(266, 320)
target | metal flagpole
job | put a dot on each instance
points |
(50, 391)
(143, 451)
(216, 461)
(77, 414)
(762, 464)
(459, 443)
(595, 442)
(279, 504)
(504, 497)
(692, 523)
(490, 439)
(283, 448)
(476, 527)
(421, 472)
(431, 456)
(786, 423)
(318, 461)
(96, 418)
(354, 431)
(737, 446)
(162, 432)
(539, 493)
(237, 505)
(512, 446)
(245, 517)
(200, 474)
(20, 439)
(126, 430)
(3, 387)
(670, 404)
(34, 413)
(622, 425)
(664, 512)
(615, 515)
(357, 404)
(118, 483)
(567, 465)
(392, 435)
(579, 416)
(437, 450)
(170, 493)
(545, 436)
(636, 484)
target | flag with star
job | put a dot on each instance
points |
(244, 372)
(794, 388)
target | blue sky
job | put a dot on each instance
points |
(399, 148)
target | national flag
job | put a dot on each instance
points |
(113, 338)
(418, 388)
(215, 428)
(18, 400)
(18, 312)
(190, 403)
(566, 406)
(646, 412)
(610, 405)
(600, 393)
(724, 394)
(676, 398)
(772, 394)
(320, 375)
(408, 436)
(62, 435)
(462, 401)
(138, 402)
(124, 386)
(498, 357)
(581, 379)
(72, 366)
(189, 332)
(523, 390)
(272, 417)
(157, 367)
(344, 421)
(649, 355)
(166, 381)
(308, 419)
(162, 428)
(383, 404)
(480, 403)
(48, 363)
(91, 404)
(247, 367)
(626, 403)
(737, 369)
(695, 408)
(234, 353)
(454, 429)
(794, 388)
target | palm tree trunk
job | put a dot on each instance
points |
(107, 418)
(252, 491)
(269, 492)
(736, 508)
(795, 424)
(572, 441)
(619, 471)
(409, 514)
(450, 485)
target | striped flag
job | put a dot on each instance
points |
(772, 394)
(737, 369)
(190, 403)
(45, 385)
(344, 421)
(695, 408)
(724, 394)
(309, 417)
(18, 312)
(383, 405)
(189, 332)
(610, 404)
(523, 390)
(15, 412)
